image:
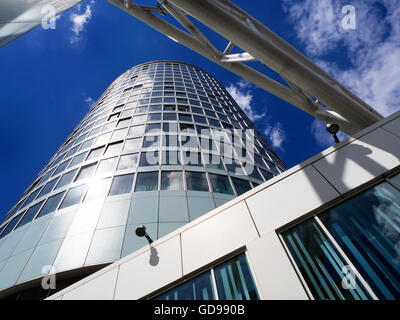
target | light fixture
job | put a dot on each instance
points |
(141, 232)
(333, 129)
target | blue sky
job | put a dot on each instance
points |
(49, 78)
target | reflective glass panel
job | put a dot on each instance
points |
(367, 228)
(171, 180)
(29, 214)
(121, 184)
(86, 172)
(196, 181)
(128, 161)
(147, 181)
(98, 189)
(51, 204)
(106, 166)
(234, 280)
(133, 144)
(66, 178)
(241, 185)
(220, 184)
(199, 288)
(73, 196)
(321, 266)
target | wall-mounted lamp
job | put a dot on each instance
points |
(141, 232)
(333, 129)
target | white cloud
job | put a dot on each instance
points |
(276, 135)
(373, 49)
(90, 101)
(79, 21)
(244, 98)
(242, 94)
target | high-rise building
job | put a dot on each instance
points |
(163, 145)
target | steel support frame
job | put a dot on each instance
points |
(310, 88)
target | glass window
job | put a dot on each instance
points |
(170, 141)
(196, 181)
(51, 204)
(220, 184)
(73, 196)
(146, 181)
(154, 117)
(253, 173)
(186, 128)
(121, 184)
(192, 159)
(136, 131)
(234, 280)
(11, 225)
(123, 123)
(71, 152)
(396, 180)
(199, 288)
(367, 228)
(267, 175)
(149, 159)
(151, 141)
(128, 161)
(95, 153)
(86, 171)
(77, 159)
(132, 144)
(241, 185)
(171, 158)
(66, 179)
(185, 117)
(200, 119)
(98, 189)
(106, 166)
(87, 144)
(120, 134)
(153, 128)
(171, 180)
(113, 149)
(189, 142)
(31, 197)
(169, 116)
(320, 264)
(139, 119)
(169, 107)
(29, 214)
(48, 187)
(213, 161)
(104, 138)
(61, 167)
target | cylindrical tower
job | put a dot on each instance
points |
(163, 145)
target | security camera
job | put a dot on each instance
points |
(141, 232)
(333, 129)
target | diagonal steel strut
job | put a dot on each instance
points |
(332, 102)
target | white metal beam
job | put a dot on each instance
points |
(259, 43)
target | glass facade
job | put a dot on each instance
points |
(352, 247)
(163, 132)
(231, 280)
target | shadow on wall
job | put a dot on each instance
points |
(336, 167)
(154, 258)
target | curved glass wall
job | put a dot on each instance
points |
(164, 144)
